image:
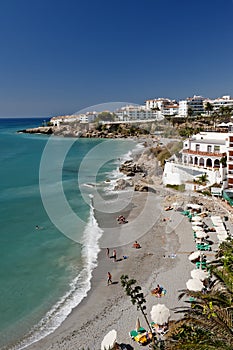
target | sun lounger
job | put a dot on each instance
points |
(201, 264)
(185, 212)
(202, 247)
(135, 333)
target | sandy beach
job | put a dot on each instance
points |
(166, 240)
(163, 259)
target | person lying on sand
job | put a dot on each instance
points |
(136, 245)
(121, 219)
(168, 208)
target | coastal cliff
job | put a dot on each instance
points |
(91, 130)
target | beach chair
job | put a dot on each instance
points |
(201, 265)
(134, 333)
(202, 247)
(185, 212)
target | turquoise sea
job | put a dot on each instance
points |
(44, 273)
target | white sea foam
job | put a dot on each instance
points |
(78, 287)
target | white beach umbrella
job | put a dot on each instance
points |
(109, 340)
(194, 255)
(160, 314)
(197, 228)
(199, 223)
(201, 234)
(193, 206)
(194, 284)
(196, 218)
(199, 274)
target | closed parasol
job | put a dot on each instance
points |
(160, 314)
(137, 324)
(194, 284)
(194, 255)
(109, 340)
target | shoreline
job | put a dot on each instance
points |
(107, 307)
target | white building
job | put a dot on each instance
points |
(164, 105)
(201, 153)
(205, 150)
(170, 110)
(224, 101)
(87, 117)
(196, 103)
(56, 121)
(132, 112)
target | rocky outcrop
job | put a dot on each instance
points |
(142, 171)
(48, 130)
(123, 184)
(130, 168)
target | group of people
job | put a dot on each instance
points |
(157, 291)
(114, 254)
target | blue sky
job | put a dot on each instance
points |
(58, 56)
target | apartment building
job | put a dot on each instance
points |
(133, 112)
(224, 101)
(196, 103)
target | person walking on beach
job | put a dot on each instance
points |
(107, 252)
(109, 278)
(114, 255)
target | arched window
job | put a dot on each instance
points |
(209, 162)
(216, 163)
(196, 161)
(190, 160)
(201, 162)
(185, 159)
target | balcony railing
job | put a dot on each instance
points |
(208, 154)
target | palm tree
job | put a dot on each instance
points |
(203, 179)
(209, 108)
(189, 114)
(137, 298)
(225, 113)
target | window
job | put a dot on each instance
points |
(216, 148)
(197, 147)
(209, 148)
